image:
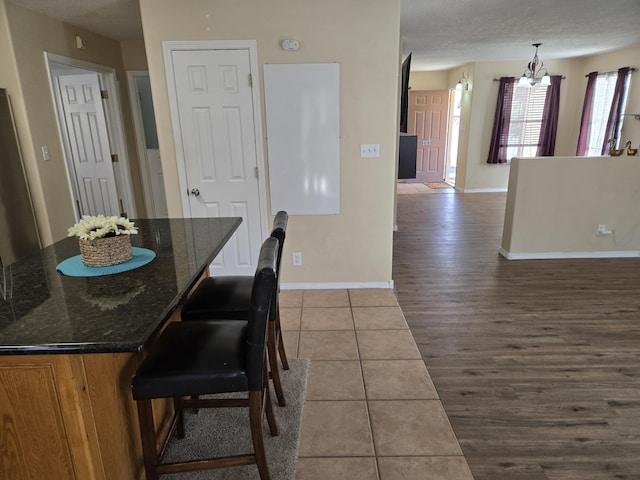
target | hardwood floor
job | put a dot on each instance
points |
(537, 363)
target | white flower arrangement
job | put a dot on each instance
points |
(91, 227)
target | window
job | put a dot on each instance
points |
(527, 109)
(602, 114)
(526, 120)
(600, 108)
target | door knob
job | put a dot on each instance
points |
(195, 192)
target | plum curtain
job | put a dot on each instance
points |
(583, 137)
(549, 127)
(614, 123)
(501, 120)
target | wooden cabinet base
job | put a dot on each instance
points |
(71, 416)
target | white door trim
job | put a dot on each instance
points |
(251, 45)
(113, 114)
(139, 134)
(122, 169)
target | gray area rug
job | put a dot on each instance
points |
(225, 431)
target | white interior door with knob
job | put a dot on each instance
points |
(217, 137)
(89, 144)
(428, 115)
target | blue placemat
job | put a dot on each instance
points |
(73, 267)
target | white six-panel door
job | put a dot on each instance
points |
(428, 115)
(216, 118)
(89, 144)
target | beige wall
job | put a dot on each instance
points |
(363, 37)
(134, 55)
(561, 219)
(430, 81)
(9, 71)
(31, 35)
(10, 80)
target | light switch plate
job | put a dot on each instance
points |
(369, 150)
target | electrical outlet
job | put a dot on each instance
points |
(602, 230)
(297, 259)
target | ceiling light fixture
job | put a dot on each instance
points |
(533, 71)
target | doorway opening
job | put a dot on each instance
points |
(92, 136)
(144, 122)
(455, 107)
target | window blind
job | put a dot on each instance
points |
(526, 120)
(602, 98)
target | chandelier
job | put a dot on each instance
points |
(533, 72)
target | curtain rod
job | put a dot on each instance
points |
(497, 79)
(632, 69)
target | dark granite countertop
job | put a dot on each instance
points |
(43, 311)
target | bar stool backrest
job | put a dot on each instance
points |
(279, 232)
(262, 294)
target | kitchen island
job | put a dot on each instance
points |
(69, 346)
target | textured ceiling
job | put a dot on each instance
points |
(440, 34)
(117, 19)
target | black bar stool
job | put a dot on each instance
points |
(191, 359)
(228, 297)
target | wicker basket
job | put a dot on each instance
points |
(102, 252)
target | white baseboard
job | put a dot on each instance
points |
(484, 190)
(335, 285)
(560, 255)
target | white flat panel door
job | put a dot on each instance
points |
(218, 140)
(89, 144)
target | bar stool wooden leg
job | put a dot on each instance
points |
(256, 403)
(148, 437)
(273, 363)
(267, 406)
(177, 405)
(283, 354)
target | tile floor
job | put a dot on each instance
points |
(372, 412)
